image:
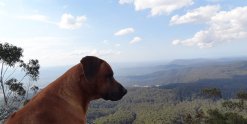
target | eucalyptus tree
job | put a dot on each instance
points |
(14, 86)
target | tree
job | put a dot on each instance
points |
(213, 93)
(216, 117)
(230, 105)
(14, 90)
(242, 96)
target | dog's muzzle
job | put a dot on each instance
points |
(115, 95)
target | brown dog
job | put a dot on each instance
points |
(65, 100)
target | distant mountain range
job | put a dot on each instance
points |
(190, 71)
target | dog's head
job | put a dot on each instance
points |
(99, 76)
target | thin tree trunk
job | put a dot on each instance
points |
(1, 81)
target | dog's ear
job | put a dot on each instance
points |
(91, 66)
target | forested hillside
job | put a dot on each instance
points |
(228, 87)
(160, 106)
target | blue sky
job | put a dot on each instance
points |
(61, 32)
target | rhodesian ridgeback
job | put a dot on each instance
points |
(65, 101)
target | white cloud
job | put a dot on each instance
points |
(69, 21)
(124, 31)
(201, 14)
(36, 17)
(45, 49)
(158, 7)
(135, 40)
(225, 26)
(214, 1)
(94, 52)
(125, 1)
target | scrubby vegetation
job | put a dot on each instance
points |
(160, 106)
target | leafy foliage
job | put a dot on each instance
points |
(242, 95)
(10, 54)
(31, 68)
(232, 105)
(216, 117)
(119, 117)
(14, 90)
(15, 86)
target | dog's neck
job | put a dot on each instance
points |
(70, 88)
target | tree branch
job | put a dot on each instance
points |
(28, 87)
(22, 78)
(5, 71)
(3, 89)
(10, 75)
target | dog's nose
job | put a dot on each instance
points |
(124, 91)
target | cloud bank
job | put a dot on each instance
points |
(124, 31)
(35, 17)
(223, 26)
(158, 7)
(69, 21)
(199, 15)
(135, 40)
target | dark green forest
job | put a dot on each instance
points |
(160, 105)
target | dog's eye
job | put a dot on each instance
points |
(109, 75)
